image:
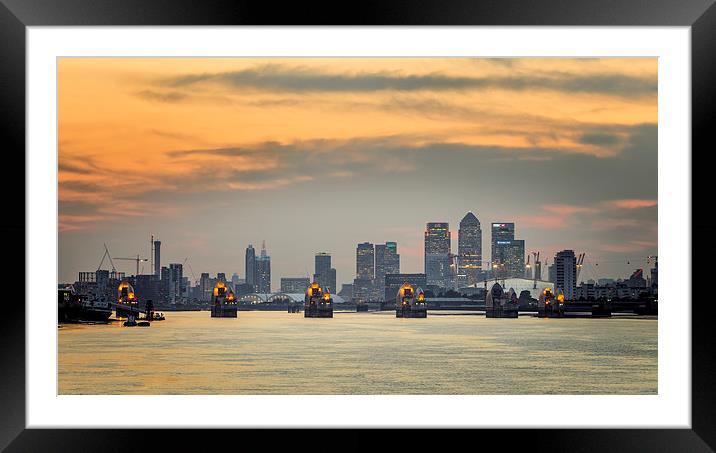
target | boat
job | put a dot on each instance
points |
(77, 307)
(143, 324)
(550, 305)
(223, 302)
(130, 322)
(127, 303)
(501, 304)
(158, 317)
(410, 303)
(317, 303)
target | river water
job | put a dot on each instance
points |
(263, 352)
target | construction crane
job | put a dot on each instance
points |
(190, 269)
(137, 259)
(580, 263)
(106, 254)
(537, 274)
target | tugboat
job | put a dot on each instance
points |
(408, 305)
(126, 300)
(550, 306)
(501, 304)
(317, 303)
(223, 303)
(77, 307)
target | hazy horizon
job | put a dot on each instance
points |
(319, 154)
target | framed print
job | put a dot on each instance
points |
(359, 227)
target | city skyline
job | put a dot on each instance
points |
(319, 155)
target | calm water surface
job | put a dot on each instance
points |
(360, 353)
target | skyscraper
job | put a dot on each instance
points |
(387, 259)
(176, 282)
(379, 263)
(469, 248)
(364, 283)
(437, 254)
(324, 274)
(157, 258)
(565, 270)
(365, 261)
(509, 258)
(500, 232)
(205, 287)
(263, 271)
(250, 265)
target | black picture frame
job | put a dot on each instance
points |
(16, 15)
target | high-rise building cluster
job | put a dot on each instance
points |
(377, 275)
(373, 263)
(324, 274)
(258, 269)
(508, 253)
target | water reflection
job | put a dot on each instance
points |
(360, 353)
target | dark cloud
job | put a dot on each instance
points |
(156, 96)
(82, 186)
(300, 79)
(68, 167)
(599, 139)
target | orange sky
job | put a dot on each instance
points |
(134, 126)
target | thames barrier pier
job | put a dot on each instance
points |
(317, 303)
(223, 302)
(126, 301)
(501, 304)
(410, 305)
(550, 306)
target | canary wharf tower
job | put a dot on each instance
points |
(437, 254)
(469, 248)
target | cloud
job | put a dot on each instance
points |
(156, 96)
(565, 209)
(629, 246)
(632, 204)
(392, 162)
(68, 167)
(599, 139)
(282, 78)
(270, 184)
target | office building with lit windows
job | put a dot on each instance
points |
(437, 254)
